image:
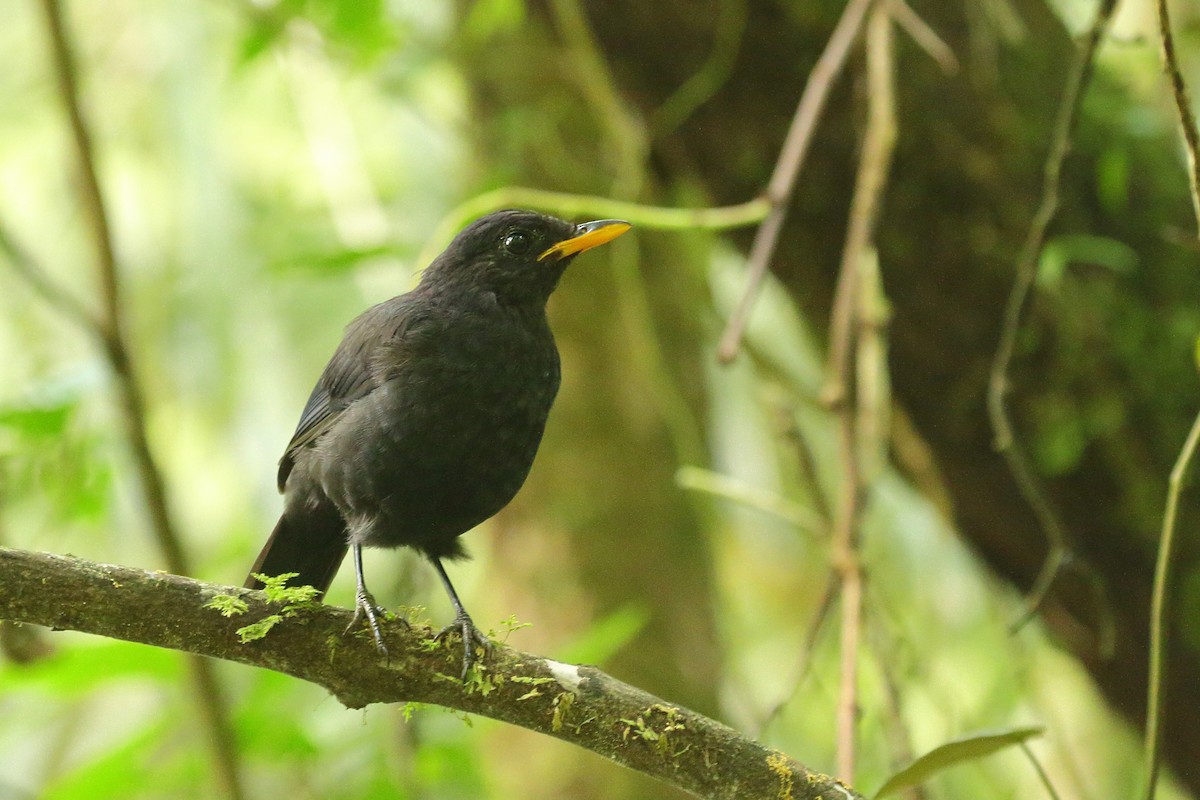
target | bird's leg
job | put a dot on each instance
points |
(364, 603)
(471, 635)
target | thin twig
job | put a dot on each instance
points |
(110, 323)
(806, 463)
(1156, 688)
(873, 384)
(1183, 104)
(1041, 772)
(46, 286)
(96, 214)
(895, 729)
(1027, 263)
(925, 36)
(1159, 627)
(849, 313)
(804, 663)
(783, 181)
(850, 574)
(109, 328)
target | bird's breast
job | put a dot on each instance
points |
(448, 436)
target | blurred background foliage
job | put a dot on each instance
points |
(272, 168)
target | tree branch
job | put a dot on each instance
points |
(1006, 441)
(577, 704)
(46, 287)
(855, 389)
(109, 329)
(787, 168)
(1183, 105)
(1156, 692)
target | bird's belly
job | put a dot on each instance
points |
(431, 459)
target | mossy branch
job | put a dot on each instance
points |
(577, 704)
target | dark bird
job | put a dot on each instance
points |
(426, 420)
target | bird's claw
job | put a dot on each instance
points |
(471, 636)
(365, 606)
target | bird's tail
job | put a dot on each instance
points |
(312, 544)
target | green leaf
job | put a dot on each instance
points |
(489, 18)
(606, 636)
(363, 28)
(45, 422)
(86, 667)
(1113, 179)
(119, 771)
(1061, 251)
(968, 748)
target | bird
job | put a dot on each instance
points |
(426, 420)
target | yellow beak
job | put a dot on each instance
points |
(587, 236)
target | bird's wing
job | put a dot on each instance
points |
(349, 376)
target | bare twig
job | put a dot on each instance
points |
(97, 216)
(895, 728)
(1159, 633)
(1044, 778)
(577, 704)
(806, 463)
(108, 327)
(1183, 104)
(873, 388)
(851, 577)
(850, 311)
(925, 36)
(110, 323)
(783, 181)
(1156, 690)
(46, 286)
(811, 633)
(1027, 262)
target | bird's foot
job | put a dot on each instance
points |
(471, 636)
(366, 607)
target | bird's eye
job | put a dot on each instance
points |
(517, 243)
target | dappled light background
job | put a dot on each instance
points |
(274, 168)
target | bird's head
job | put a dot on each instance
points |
(516, 255)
